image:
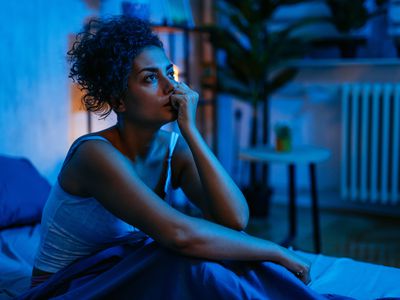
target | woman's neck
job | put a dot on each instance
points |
(134, 140)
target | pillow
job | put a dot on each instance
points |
(23, 192)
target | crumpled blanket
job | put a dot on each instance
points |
(146, 270)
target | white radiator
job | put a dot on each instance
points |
(370, 143)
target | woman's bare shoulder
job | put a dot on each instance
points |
(90, 159)
(109, 134)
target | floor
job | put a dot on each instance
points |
(364, 237)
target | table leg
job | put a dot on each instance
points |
(315, 209)
(292, 201)
(292, 206)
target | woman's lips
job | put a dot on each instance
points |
(170, 106)
(169, 103)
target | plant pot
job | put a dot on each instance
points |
(283, 138)
(258, 199)
(283, 145)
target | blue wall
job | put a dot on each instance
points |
(34, 85)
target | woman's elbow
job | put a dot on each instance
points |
(242, 218)
(187, 240)
(240, 222)
(237, 221)
(178, 239)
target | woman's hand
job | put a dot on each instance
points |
(185, 101)
(298, 265)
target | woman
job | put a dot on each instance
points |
(112, 184)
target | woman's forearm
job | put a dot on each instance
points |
(205, 239)
(213, 241)
(226, 204)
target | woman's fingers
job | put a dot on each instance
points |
(304, 273)
(181, 88)
(176, 99)
(298, 265)
(184, 86)
(184, 100)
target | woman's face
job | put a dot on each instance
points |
(150, 85)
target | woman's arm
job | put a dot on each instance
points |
(201, 176)
(205, 239)
(104, 173)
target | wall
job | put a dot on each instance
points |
(34, 87)
(40, 109)
(311, 106)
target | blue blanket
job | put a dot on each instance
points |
(147, 271)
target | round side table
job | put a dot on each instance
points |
(298, 155)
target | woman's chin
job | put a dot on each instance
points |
(174, 112)
(173, 116)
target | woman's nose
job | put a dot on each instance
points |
(171, 86)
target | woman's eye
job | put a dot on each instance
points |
(150, 78)
(171, 74)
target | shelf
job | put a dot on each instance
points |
(316, 63)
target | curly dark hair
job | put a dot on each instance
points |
(102, 56)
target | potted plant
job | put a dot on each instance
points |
(283, 138)
(256, 65)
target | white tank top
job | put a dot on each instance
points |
(73, 227)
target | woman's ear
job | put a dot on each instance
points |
(119, 106)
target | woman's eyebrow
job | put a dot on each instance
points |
(154, 69)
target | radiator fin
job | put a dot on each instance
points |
(370, 143)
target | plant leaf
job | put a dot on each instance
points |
(280, 78)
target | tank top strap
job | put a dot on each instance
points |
(79, 142)
(172, 144)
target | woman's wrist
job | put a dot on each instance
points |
(296, 264)
(281, 256)
(285, 257)
(189, 132)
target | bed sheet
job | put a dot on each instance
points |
(18, 246)
(329, 275)
(359, 280)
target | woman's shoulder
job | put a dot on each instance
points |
(93, 144)
(110, 135)
(90, 154)
(105, 135)
(82, 142)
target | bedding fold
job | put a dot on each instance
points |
(147, 271)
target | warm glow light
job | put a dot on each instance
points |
(176, 72)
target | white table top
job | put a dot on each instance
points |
(301, 154)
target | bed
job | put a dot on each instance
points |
(23, 193)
